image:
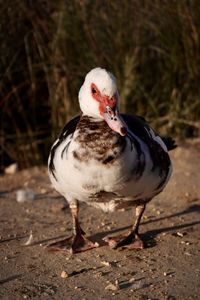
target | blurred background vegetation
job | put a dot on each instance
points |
(47, 47)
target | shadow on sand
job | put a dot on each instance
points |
(149, 236)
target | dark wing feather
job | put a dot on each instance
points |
(159, 157)
(68, 129)
(140, 127)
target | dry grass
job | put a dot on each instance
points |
(152, 47)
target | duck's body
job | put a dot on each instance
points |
(111, 162)
(96, 165)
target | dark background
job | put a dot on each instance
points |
(47, 47)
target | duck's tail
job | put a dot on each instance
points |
(169, 142)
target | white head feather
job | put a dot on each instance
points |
(105, 82)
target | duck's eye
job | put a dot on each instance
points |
(94, 91)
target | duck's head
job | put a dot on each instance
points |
(99, 98)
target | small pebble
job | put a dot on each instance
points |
(25, 195)
(105, 263)
(79, 260)
(64, 274)
(166, 281)
(43, 191)
(98, 274)
(138, 285)
(112, 287)
(117, 282)
(180, 234)
(185, 242)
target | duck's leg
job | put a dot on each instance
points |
(77, 242)
(130, 240)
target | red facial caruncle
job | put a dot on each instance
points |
(103, 99)
(108, 109)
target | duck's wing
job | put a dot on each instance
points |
(139, 126)
(68, 129)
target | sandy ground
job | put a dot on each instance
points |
(168, 268)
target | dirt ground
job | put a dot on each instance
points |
(168, 268)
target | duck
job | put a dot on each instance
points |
(108, 160)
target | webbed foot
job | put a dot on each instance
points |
(130, 240)
(73, 244)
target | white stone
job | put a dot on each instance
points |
(25, 195)
(11, 169)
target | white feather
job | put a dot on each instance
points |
(106, 83)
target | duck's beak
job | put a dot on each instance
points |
(114, 120)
